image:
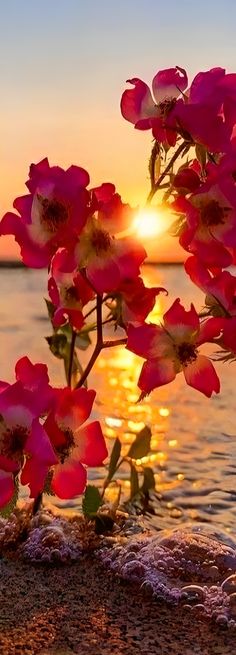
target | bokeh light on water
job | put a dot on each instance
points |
(193, 447)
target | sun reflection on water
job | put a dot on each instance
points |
(117, 372)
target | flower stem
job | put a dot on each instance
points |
(72, 349)
(98, 347)
(100, 344)
(37, 503)
(156, 185)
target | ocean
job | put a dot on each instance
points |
(193, 447)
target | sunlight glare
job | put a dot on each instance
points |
(149, 223)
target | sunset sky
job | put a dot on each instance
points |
(63, 68)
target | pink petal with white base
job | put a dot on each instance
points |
(148, 341)
(169, 83)
(181, 324)
(137, 103)
(74, 408)
(202, 376)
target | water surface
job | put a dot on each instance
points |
(194, 438)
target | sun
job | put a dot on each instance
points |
(150, 223)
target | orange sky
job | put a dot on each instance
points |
(65, 69)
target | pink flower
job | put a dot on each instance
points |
(173, 347)
(68, 291)
(187, 180)
(220, 289)
(108, 257)
(24, 443)
(52, 215)
(207, 114)
(75, 446)
(208, 222)
(135, 301)
(139, 107)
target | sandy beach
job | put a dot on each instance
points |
(82, 609)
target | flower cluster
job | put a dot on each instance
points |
(201, 121)
(85, 236)
(41, 435)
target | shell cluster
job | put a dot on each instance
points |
(181, 567)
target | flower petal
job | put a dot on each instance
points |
(74, 408)
(69, 479)
(34, 474)
(90, 445)
(182, 325)
(202, 376)
(38, 444)
(137, 103)
(156, 373)
(169, 83)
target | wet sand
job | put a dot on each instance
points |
(83, 609)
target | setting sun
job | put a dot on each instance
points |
(151, 222)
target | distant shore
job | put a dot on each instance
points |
(16, 263)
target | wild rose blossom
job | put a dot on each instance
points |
(208, 222)
(220, 288)
(53, 213)
(207, 113)
(139, 107)
(134, 301)
(75, 446)
(68, 291)
(106, 255)
(173, 347)
(24, 444)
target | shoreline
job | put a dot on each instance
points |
(83, 609)
(95, 600)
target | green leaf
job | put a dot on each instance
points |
(91, 501)
(8, 509)
(83, 340)
(148, 480)
(57, 344)
(115, 454)
(141, 446)
(50, 308)
(134, 484)
(76, 366)
(201, 154)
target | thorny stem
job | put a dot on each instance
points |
(156, 185)
(72, 349)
